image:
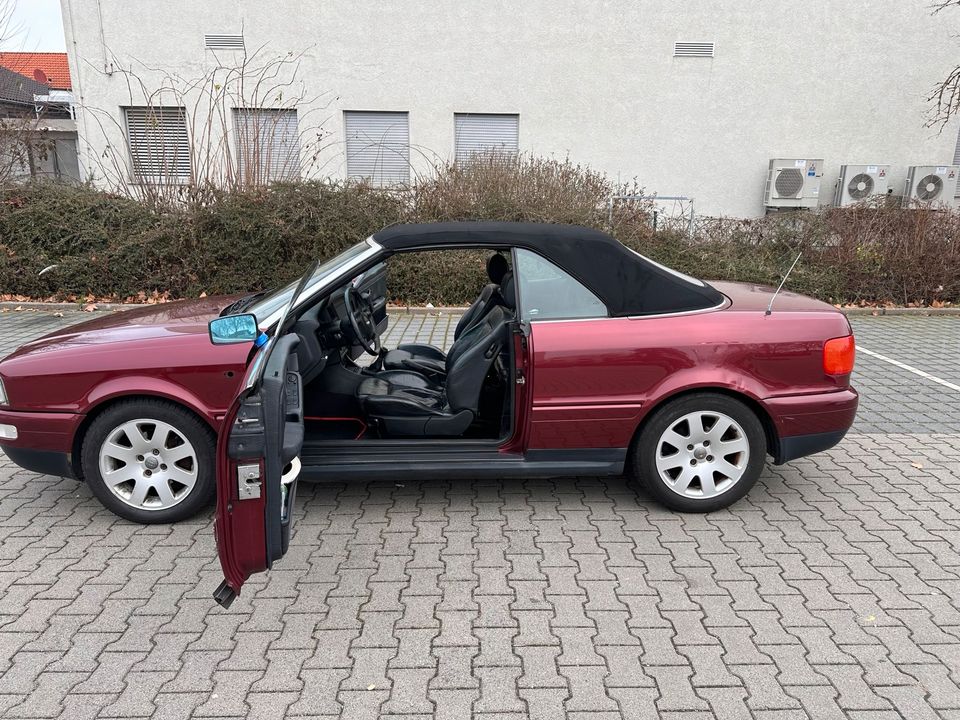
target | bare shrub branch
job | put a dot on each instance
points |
(249, 123)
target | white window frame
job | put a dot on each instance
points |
(395, 150)
(182, 171)
(275, 166)
(512, 151)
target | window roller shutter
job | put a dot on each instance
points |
(481, 134)
(378, 147)
(158, 141)
(268, 144)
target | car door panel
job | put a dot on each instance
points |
(257, 469)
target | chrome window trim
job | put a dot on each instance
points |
(725, 303)
(311, 291)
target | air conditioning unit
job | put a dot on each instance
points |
(861, 182)
(934, 185)
(793, 183)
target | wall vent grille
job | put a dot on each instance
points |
(693, 49)
(223, 42)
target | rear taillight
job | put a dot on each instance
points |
(838, 355)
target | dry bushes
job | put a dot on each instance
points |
(112, 247)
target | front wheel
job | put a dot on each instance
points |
(150, 461)
(700, 453)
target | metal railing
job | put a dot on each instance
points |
(611, 203)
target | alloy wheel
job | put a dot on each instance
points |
(148, 464)
(702, 454)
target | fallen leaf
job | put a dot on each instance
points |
(203, 294)
(89, 307)
(18, 308)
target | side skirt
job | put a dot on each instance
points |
(388, 463)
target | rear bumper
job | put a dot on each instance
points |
(798, 446)
(808, 424)
(44, 441)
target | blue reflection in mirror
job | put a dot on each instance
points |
(233, 329)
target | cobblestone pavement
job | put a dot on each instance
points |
(833, 590)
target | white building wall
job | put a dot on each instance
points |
(594, 80)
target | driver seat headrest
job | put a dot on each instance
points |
(497, 267)
(508, 291)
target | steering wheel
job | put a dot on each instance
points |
(360, 312)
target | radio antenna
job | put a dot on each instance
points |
(780, 287)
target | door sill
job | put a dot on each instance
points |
(433, 460)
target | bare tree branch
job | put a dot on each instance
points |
(941, 5)
(944, 99)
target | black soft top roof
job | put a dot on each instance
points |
(627, 283)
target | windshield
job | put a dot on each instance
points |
(269, 304)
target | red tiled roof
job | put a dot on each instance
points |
(53, 65)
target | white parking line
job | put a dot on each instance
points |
(909, 368)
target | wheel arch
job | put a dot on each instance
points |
(108, 402)
(766, 421)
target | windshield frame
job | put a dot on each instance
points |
(325, 275)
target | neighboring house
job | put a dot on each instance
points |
(49, 68)
(39, 134)
(692, 99)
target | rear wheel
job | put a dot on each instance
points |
(700, 453)
(150, 461)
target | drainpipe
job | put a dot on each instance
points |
(107, 65)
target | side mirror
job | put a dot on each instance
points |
(233, 329)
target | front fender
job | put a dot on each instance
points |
(145, 386)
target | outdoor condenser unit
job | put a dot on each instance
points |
(934, 185)
(861, 182)
(793, 183)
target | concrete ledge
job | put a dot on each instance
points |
(908, 311)
(445, 310)
(112, 307)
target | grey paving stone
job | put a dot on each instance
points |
(830, 591)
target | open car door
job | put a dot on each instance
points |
(257, 467)
(258, 457)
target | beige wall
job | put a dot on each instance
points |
(590, 79)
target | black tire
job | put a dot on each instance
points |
(186, 423)
(644, 460)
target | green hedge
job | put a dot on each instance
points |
(111, 247)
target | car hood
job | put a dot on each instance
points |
(175, 319)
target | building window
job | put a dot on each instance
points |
(159, 144)
(378, 147)
(267, 144)
(485, 134)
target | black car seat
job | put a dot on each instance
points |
(432, 376)
(405, 410)
(430, 359)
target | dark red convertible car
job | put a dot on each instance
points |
(580, 357)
